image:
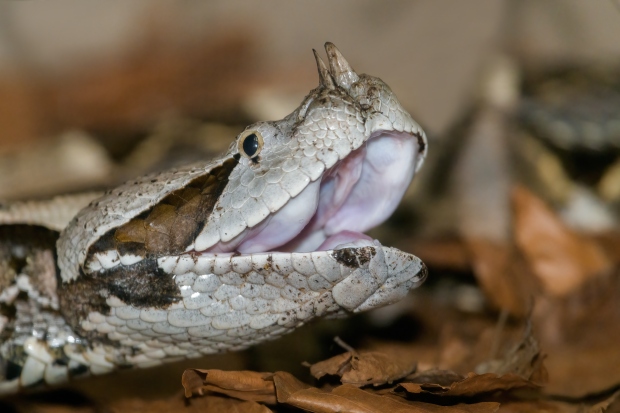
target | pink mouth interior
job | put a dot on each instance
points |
(356, 194)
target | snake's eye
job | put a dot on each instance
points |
(250, 144)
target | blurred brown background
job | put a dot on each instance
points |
(96, 92)
(115, 70)
(69, 63)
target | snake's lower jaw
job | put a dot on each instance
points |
(385, 277)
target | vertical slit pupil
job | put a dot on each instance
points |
(250, 145)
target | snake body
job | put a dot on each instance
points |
(220, 255)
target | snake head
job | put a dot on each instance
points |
(223, 254)
(335, 167)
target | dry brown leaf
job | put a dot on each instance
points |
(609, 405)
(502, 276)
(436, 376)
(33, 407)
(348, 398)
(179, 404)
(244, 385)
(473, 385)
(367, 367)
(561, 259)
(391, 404)
(581, 370)
(546, 406)
(610, 242)
(296, 393)
(524, 359)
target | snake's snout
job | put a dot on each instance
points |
(406, 272)
(381, 277)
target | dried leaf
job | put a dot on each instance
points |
(390, 404)
(348, 398)
(523, 359)
(610, 242)
(561, 259)
(177, 404)
(612, 403)
(581, 370)
(472, 385)
(244, 385)
(546, 406)
(367, 367)
(439, 377)
(298, 394)
(498, 271)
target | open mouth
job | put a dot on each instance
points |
(313, 181)
(356, 194)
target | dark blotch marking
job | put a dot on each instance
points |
(171, 225)
(12, 370)
(18, 245)
(354, 257)
(346, 256)
(131, 248)
(269, 264)
(78, 370)
(421, 143)
(142, 285)
(423, 273)
(365, 254)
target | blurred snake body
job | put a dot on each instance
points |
(215, 256)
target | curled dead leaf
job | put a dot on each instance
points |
(611, 404)
(367, 367)
(178, 404)
(472, 385)
(523, 359)
(243, 385)
(439, 377)
(387, 403)
(561, 259)
(349, 398)
(503, 277)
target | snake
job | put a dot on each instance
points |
(217, 255)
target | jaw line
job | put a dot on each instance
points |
(314, 236)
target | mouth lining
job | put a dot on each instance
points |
(356, 194)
